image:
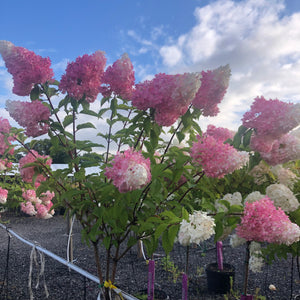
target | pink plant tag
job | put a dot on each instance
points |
(151, 277)
(220, 255)
(246, 297)
(184, 287)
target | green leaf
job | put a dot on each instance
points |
(89, 112)
(113, 106)
(185, 214)
(104, 99)
(153, 138)
(85, 125)
(106, 241)
(35, 93)
(167, 242)
(180, 136)
(247, 138)
(68, 120)
(160, 229)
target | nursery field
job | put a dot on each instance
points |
(63, 283)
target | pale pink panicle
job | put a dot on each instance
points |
(84, 77)
(27, 173)
(285, 149)
(271, 119)
(129, 171)
(216, 158)
(47, 197)
(198, 228)
(26, 67)
(263, 222)
(30, 195)
(34, 116)
(219, 133)
(285, 176)
(5, 164)
(44, 211)
(169, 95)
(118, 79)
(3, 195)
(261, 143)
(213, 88)
(4, 130)
(28, 208)
(40, 207)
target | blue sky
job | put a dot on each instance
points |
(260, 39)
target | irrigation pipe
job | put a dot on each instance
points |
(63, 261)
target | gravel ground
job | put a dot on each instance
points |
(63, 283)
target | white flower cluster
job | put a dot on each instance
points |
(284, 176)
(198, 228)
(254, 196)
(136, 176)
(233, 199)
(282, 197)
(236, 241)
(256, 261)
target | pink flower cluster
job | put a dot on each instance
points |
(219, 133)
(83, 77)
(271, 120)
(119, 79)
(285, 149)
(3, 195)
(26, 67)
(33, 116)
(214, 85)
(129, 171)
(263, 222)
(4, 129)
(169, 95)
(41, 207)
(27, 173)
(216, 158)
(5, 164)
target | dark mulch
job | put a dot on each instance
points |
(64, 284)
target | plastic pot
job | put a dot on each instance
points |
(218, 281)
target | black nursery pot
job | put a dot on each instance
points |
(218, 281)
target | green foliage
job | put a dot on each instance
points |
(169, 266)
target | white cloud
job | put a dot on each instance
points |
(260, 43)
(171, 55)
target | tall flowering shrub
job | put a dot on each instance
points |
(144, 181)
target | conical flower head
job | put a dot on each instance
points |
(26, 67)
